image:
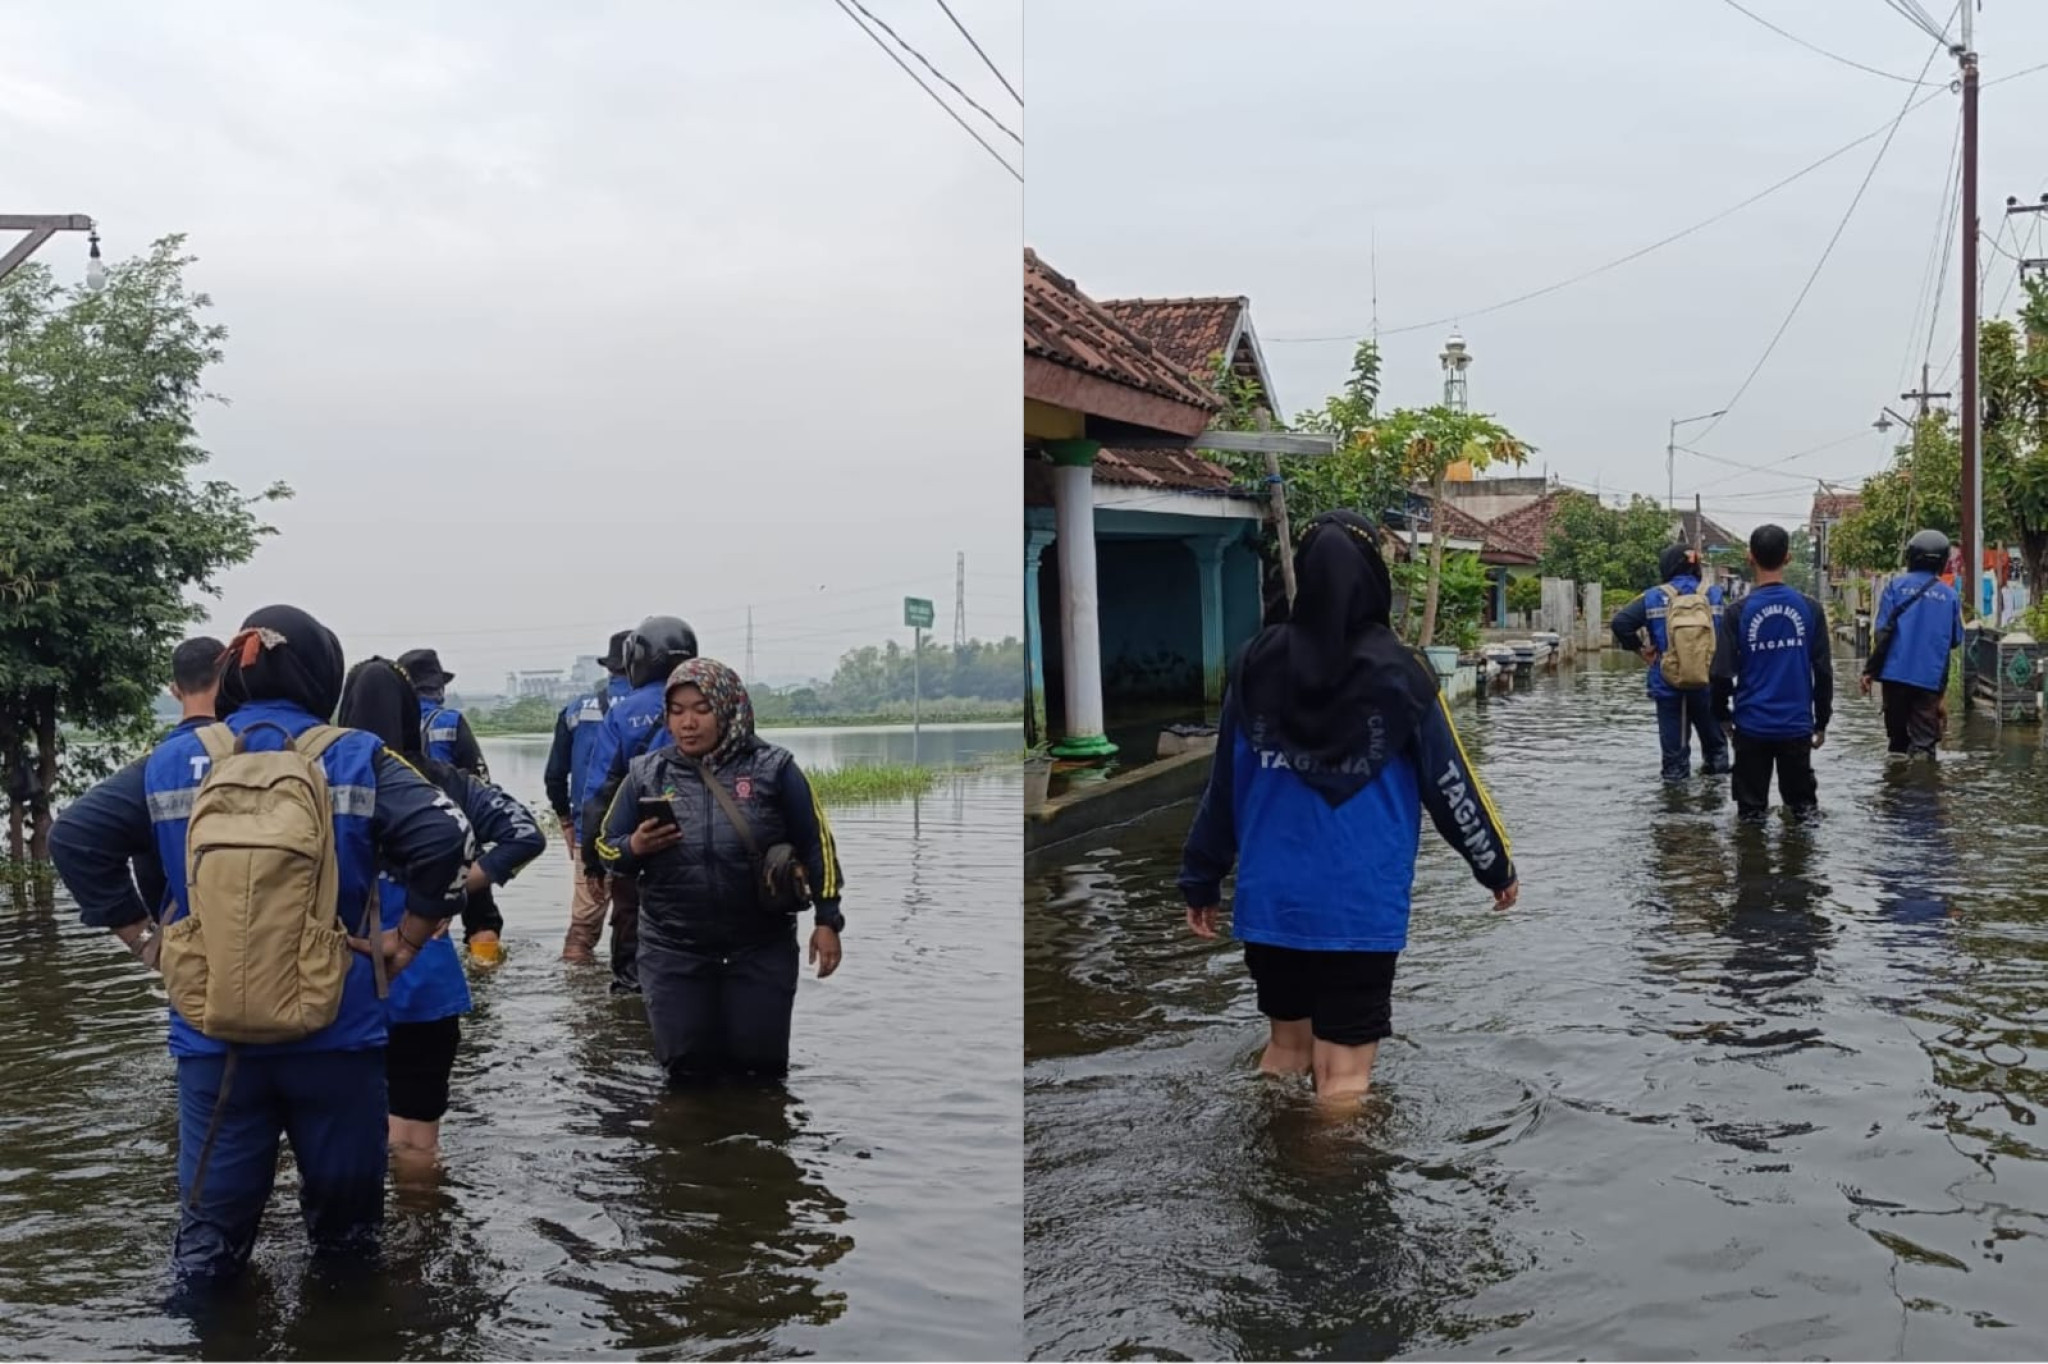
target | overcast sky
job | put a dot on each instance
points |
(558, 315)
(1495, 146)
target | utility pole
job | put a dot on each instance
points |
(749, 679)
(1922, 396)
(1973, 408)
(960, 602)
(1671, 455)
(40, 227)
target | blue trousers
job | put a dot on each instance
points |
(330, 1104)
(1681, 716)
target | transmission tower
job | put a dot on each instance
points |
(960, 602)
(750, 645)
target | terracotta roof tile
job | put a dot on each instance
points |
(1177, 470)
(1495, 543)
(1835, 505)
(1709, 531)
(1066, 327)
(1530, 526)
(1187, 331)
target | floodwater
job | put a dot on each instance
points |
(1706, 1093)
(872, 1212)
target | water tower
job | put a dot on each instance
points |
(1456, 360)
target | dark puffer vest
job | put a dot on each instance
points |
(699, 895)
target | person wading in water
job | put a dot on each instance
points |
(1334, 739)
(727, 843)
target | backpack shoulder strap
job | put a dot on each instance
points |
(314, 742)
(217, 739)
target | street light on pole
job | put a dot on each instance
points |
(1671, 452)
(40, 227)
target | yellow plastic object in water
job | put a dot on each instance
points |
(486, 953)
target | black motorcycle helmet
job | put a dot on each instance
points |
(655, 646)
(1927, 552)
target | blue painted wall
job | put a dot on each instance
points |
(1244, 600)
(1151, 606)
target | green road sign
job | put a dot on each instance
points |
(917, 613)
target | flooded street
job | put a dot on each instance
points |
(873, 1212)
(1704, 1094)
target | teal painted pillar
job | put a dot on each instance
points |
(1208, 552)
(1500, 598)
(1036, 538)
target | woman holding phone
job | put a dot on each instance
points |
(728, 844)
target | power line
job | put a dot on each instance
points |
(1937, 251)
(1775, 465)
(2033, 232)
(1921, 19)
(1635, 255)
(1811, 47)
(983, 55)
(1826, 252)
(925, 62)
(937, 99)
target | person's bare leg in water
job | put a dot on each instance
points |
(1291, 1048)
(1343, 1075)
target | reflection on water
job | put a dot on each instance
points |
(1709, 1092)
(872, 1210)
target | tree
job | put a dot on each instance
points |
(1525, 594)
(103, 529)
(1361, 473)
(1423, 443)
(1921, 490)
(1355, 476)
(2015, 366)
(1593, 543)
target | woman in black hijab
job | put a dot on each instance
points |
(428, 1001)
(1334, 739)
(282, 654)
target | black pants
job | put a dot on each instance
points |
(480, 914)
(1912, 718)
(720, 1014)
(1347, 997)
(417, 1063)
(625, 935)
(1754, 759)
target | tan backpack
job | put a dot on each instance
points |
(1688, 661)
(261, 955)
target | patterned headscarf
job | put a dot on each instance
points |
(730, 704)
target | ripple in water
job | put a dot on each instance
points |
(872, 1211)
(1705, 1093)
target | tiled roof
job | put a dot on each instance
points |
(1178, 470)
(1835, 505)
(1187, 331)
(1530, 526)
(1066, 327)
(1495, 543)
(1707, 531)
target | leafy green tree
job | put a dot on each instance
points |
(1423, 443)
(1921, 490)
(2015, 368)
(1593, 543)
(1525, 594)
(104, 527)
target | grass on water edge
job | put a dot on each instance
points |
(866, 783)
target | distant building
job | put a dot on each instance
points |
(587, 673)
(545, 682)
